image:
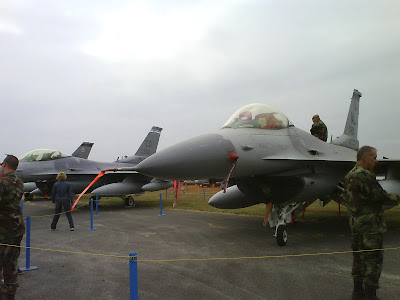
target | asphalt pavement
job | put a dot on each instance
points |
(221, 257)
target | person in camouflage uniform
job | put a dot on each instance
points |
(319, 129)
(12, 227)
(365, 209)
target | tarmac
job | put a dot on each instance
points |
(224, 257)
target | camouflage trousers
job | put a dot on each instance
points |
(9, 265)
(367, 266)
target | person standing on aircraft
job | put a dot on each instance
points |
(12, 227)
(62, 195)
(318, 129)
(366, 199)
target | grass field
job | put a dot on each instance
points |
(192, 198)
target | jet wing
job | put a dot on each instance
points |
(45, 174)
(390, 168)
(102, 173)
(72, 172)
(301, 167)
(307, 160)
(385, 167)
(330, 154)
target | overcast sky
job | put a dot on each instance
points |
(107, 71)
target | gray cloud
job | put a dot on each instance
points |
(303, 58)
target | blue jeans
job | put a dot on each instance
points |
(67, 208)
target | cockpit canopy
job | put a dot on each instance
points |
(258, 115)
(43, 155)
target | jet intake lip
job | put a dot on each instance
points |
(205, 156)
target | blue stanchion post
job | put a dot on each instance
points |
(28, 246)
(22, 203)
(97, 205)
(320, 203)
(133, 276)
(204, 193)
(91, 214)
(161, 214)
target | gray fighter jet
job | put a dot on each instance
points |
(270, 161)
(42, 166)
(82, 151)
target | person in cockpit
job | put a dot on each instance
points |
(245, 120)
(268, 121)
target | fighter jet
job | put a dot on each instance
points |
(270, 161)
(82, 151)
(42, 166)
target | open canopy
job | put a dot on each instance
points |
(258, 115)
(43, 155)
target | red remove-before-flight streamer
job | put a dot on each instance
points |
(84, 191)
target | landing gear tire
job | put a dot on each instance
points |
(28, 197)
(130, 202)
(281, 235)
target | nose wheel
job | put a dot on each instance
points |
(281, 235)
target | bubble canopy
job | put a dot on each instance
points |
(258, 115)
(43, 155)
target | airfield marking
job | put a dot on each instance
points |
(211, 225)
(146, 234)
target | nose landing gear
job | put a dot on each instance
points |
(278, 217)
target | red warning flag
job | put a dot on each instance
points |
(84, 191)
(177, 188)
(267, 214)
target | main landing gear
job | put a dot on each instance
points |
(278, 216)
(28, 197)
(129, 201)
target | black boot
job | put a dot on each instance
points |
(370, 293)
(358, 291)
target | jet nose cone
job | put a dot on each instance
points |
(205, 156)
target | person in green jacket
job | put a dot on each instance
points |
(319, 129)
(366, 199)
(12, 227)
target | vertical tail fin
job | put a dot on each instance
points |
(150, 143)
(349, 137)
(83, 150)
(147, 148)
